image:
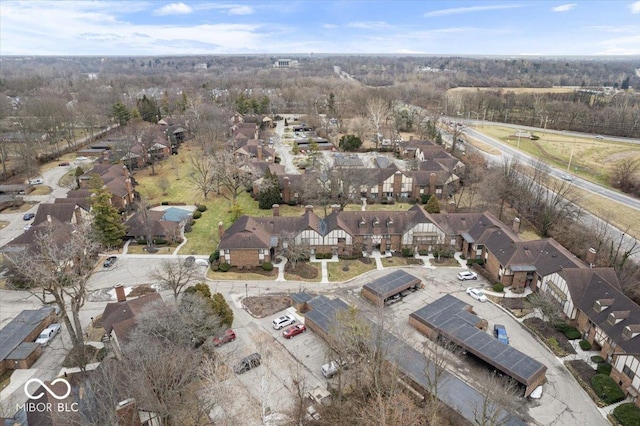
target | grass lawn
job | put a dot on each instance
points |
(239, 276)
(140, 249)
(41, 190)
(400, 261)
(378, 207)
(356, 267)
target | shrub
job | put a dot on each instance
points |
(585, 345)
(407, 252)
(213, 257)
(424, 198)
(604, 368)
(423, 252)
(160, 242)
(607, 389)
(202, 208)
(197, 214)
(571, 332)
(267, 266)
(597, 359)
(498, 287)
(221, 307)
(224, 267)
(627, 414)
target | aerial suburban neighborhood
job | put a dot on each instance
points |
(317, 239)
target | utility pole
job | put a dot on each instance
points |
(570, 158)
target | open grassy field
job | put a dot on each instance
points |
(204, 236)
(555, 89)
(354, 268)
(592, 159)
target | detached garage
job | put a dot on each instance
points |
(378, 291)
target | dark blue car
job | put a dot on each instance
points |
(28, 216)
(501, 333)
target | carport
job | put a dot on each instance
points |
(452, 318)
(379, 290)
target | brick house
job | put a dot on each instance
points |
(592, 299)
(250, 241)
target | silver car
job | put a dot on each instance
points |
(283, 321)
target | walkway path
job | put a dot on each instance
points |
(323, 266)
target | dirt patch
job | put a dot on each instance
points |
(614, 158)
(262, 306)
(81, 355)
(141, 290)
(557, 341)
(302, 270)
(583, 373)
(518, 306)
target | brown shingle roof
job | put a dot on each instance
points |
(64, 212)
(246, 233)
(118, 312)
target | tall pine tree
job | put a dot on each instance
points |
(107, 223)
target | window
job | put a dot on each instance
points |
(342, 240)
(626, 370)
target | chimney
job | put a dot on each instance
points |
(49, 218)
(335, 208)
(591, 257)
(220, 229)
(127, 413)
(276, 210)
(120, 296)
(286, 191)
(125, 171)
(516, 225)
(451, 207)
(105, 158)
(308, 208)
(432, 183)
(259, 152)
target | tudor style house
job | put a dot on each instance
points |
(250, 241)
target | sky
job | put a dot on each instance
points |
(127, 28)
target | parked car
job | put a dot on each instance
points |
(501, 333)
(294, 330)
(568, 178)
(393, 299)
(283, 321)
(27, 227)
(477, 294)
(190, 260)
(28, 216)
(247, 363)
(329, 370)
(48, 334)
(467, 275)
(599, 137)
(202, 262)
(228, 336)
(109, 261)
(64, 163)
(37, 181)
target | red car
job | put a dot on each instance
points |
(294, 330)
(229, 336)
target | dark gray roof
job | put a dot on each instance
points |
(14, 333)
(451, 390)
(300, 297)
(391, 284)
(450, 316)
(324, 311)
(23, 351)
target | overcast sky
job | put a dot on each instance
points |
(360, 27)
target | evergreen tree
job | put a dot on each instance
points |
(432, 206)
(350, 143)
(269, 191)
(148, 109)
(222, 309)
(120, 113)
(107, 223)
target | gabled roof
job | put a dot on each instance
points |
(159, 227)
(83, 203)
(456, 223)
(17, 330)
(246, 233)
(63, 212)
(616, 312)
(546, 256)
(119, 312)
(377, 222)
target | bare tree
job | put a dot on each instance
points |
(59, 266)
(233, 174)
(175, 274)
(202, 174)
(500, 397)
(293, 248)
(378, 110)
(625, 174)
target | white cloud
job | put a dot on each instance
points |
(370, 25)
(329, 26)
(564, 8)
(470, 9)
(240, 10)
(173, 9)
(635, 7)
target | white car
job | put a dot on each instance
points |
(566, 177)
(477, 294)
(48, 333)
(467, 275)
(283, 321)
(37, 181)
(329, 370)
